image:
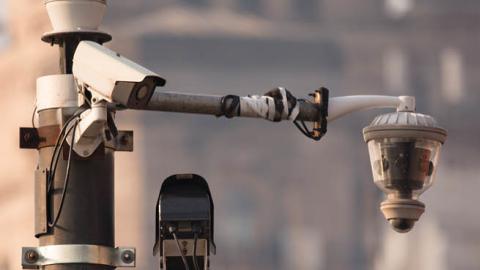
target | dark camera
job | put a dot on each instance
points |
(184, 223)
(404, 166)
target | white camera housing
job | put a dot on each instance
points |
(111, 77)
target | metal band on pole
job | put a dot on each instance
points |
(34, 257)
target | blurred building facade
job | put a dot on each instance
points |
(282, 202)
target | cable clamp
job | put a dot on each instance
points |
(320, 99)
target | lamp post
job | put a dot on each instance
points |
(76, 138)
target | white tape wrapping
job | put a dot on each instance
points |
(257, 106)
(264, 107)
(294, 111)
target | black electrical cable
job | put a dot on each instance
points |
(33, 116)
(58, 145)
(303, 129)
(62, 137)
(195, 262)
(67, 177)
(56, 155)
(184, 259)
(304, 125)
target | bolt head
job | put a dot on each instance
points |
(31, 256)
(124, 140)
(128, 256)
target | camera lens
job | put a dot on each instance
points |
(142, 92)
(402, 225)
(404, 166)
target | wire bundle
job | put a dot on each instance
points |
(184, 258)
(66, 130)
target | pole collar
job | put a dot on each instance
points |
(35, 257)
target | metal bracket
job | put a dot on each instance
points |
(29, 138)
(320, 98)
(35, 257)
(36, 138)
(89, 130)
(122, 142)
(41, 202)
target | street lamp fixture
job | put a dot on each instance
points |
(404, 149)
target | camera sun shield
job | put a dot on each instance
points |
(112, 77)
(404, 150)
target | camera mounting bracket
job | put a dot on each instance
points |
(90, 129)
(320, 98)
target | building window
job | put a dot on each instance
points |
(397, 9)
(453, 85)
(395, 68)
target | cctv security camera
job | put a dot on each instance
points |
(404, 150)
(184, 223)
(111, 77)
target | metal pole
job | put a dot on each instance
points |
(88, 212)
(210, 104)
(87, 216)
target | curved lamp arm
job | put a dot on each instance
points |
(340, 106)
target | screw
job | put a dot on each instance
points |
(185, 245)
(27, 136)
(31, 256)
(124, 140)
(128, 256)
(86, 152)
